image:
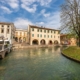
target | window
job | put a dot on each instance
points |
(44, 36)
(20, 33)
(32, 29)
(2, 30)
(37, 30)
(37, 35)
(51, 31)
(54, 36)
(40, 30)
(7, 30)
(54, 32)
(48, 31)
(2, 25)
(48, 36)
(51, 36)
(58, 32)
(32, 35)
(41, 35)
(8, 26)
(44, 31)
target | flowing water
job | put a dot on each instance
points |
(38, 64)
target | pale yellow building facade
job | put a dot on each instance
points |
(21, 36)
(43, 36)
(7, 30)
(34, 35)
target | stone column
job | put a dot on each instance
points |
(38, 42)
(30, 42)
(46, 42)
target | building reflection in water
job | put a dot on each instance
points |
(19, 54)
(33, 53)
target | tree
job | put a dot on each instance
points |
(70, 17)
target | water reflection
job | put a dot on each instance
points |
(38, 64)
(33, 53)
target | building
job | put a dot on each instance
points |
(7, 30)
(65, 39)
(21, 35)
(73, 41)
(43, 36)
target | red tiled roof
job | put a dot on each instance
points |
(33, 26)
(8, 23)
(63, 35)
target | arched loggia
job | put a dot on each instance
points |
(24, 39)
(20, 40)
(56, 42)
(50, 42)
(42, 42)
(35, 42)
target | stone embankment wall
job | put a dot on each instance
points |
(19, 46)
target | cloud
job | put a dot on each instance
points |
(45, 2)
(28, 2)
(41, 2)
(5, 9)
(43, 12)
(12, 3)
(3, 19)
(39, 23)
(53, 21)
(28, 5)
(31, 5)
(31, 10)
(22, 23)
(44, 18)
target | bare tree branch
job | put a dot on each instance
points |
(70, 16)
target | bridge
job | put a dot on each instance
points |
(3, 51)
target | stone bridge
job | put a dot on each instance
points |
(3, 51)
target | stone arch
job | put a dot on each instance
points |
(24, 39)
(42, 42)
(6, 53)
(56, 42)
(20, 39)
(50, 42)
(35, 42)
(16, 39)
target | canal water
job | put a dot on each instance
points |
(38, 64)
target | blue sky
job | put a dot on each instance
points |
(36, 12)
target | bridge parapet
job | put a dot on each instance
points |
(3, 52)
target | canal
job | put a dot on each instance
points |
(38, 64)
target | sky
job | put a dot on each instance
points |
(22, 13)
